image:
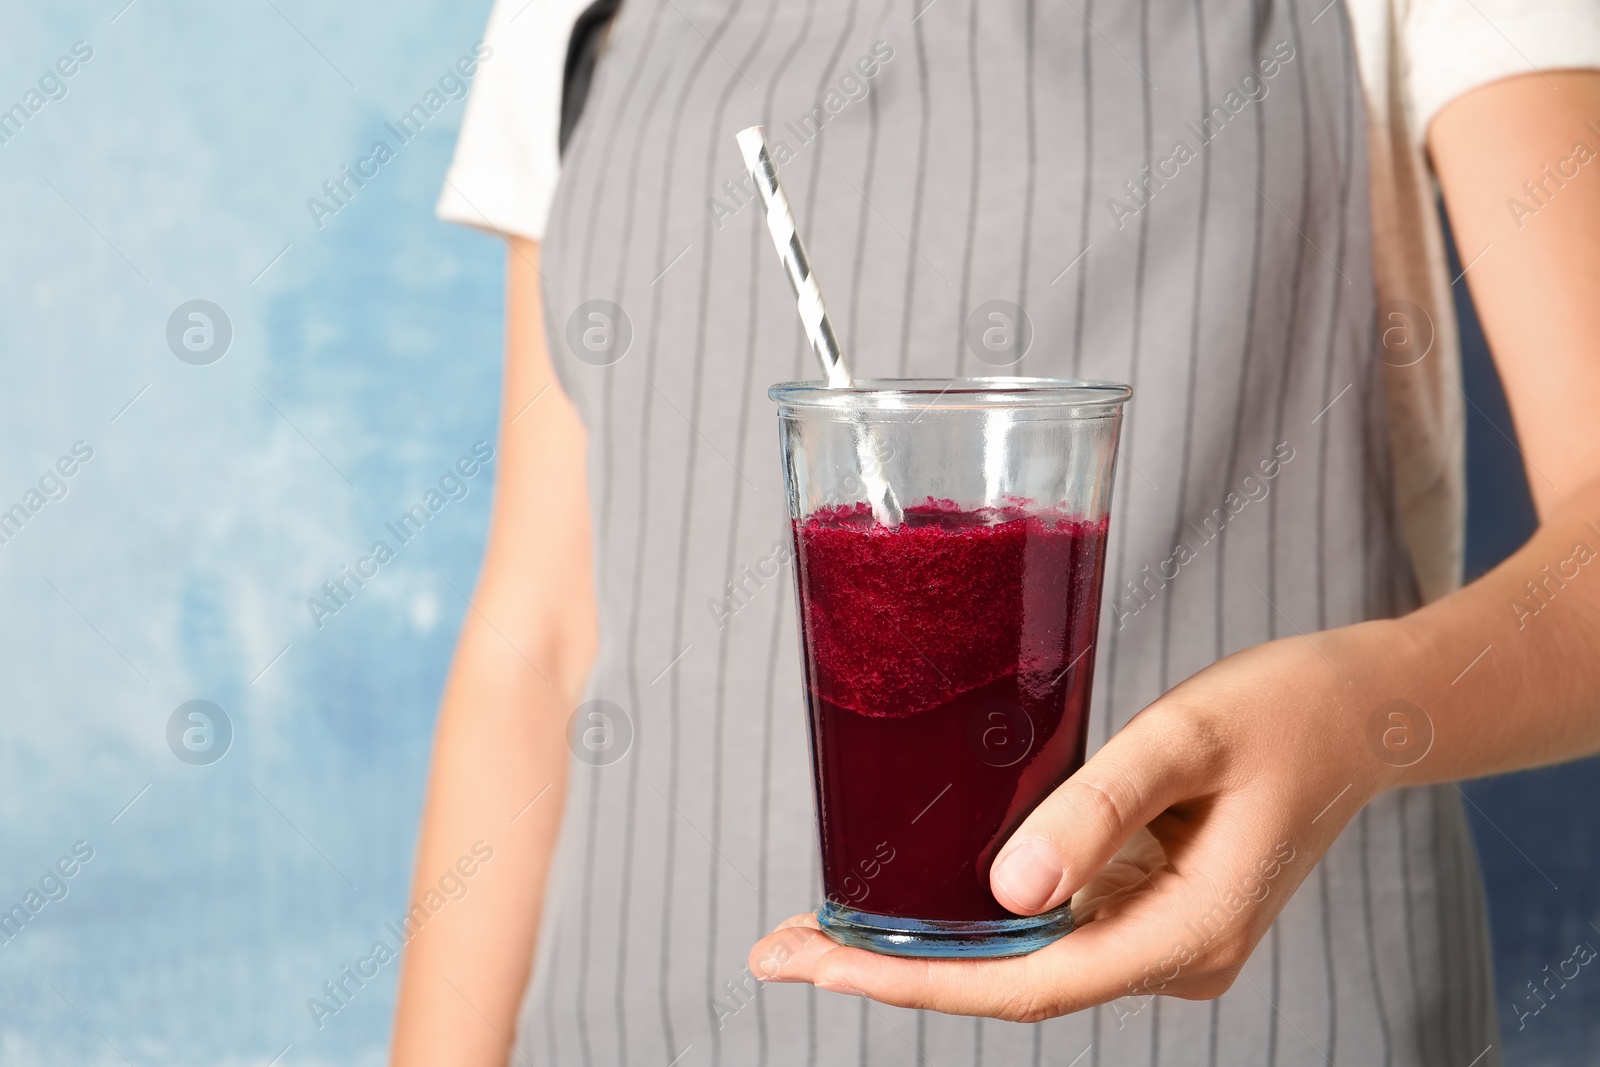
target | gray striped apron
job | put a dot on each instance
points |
(1176, 195)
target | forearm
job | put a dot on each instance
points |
(499, 777)
(1505, 669)
(500, 750)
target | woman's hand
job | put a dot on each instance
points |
(1244, 775)
(1246, 772)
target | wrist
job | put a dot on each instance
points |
(1388, 705)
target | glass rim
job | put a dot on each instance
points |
(1090, 396)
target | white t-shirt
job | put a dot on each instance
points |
(1415, 56)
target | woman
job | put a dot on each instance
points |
(1227, 204)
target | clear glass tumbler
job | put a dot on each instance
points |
(947, 657)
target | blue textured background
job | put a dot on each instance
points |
(219, 902)
(364, 362)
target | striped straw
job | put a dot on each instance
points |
(792, 251)
(808, 297)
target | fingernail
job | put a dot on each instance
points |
(1029, 874)
(840, 987)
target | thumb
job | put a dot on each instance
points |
(1143, 770)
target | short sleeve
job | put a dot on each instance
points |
(1453, 46)
(506, 162)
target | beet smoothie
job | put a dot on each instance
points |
(948, 664)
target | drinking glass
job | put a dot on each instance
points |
(947, 655)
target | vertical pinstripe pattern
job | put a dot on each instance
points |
(626, 879)
(1087, 190)
(919, 170)
(1233, 289)
(1030, 125)
(1422, 1036)
(688, 496)
(975, 109)
(1204, 91)
(1131, 419)
(1338, 284)
(1372, 952)
(763, 917)
(581, 148)
(577, 157)
(735, 491)
(1231, 466)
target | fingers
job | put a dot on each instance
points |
(803, 953)
(1138, 859)
(1155, 762)
(789, 950)
(1142, 949)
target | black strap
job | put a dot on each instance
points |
(582, 51)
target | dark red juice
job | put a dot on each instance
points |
(948, 664)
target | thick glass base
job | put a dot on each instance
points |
(943, 939)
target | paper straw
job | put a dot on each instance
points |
(814, 316)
